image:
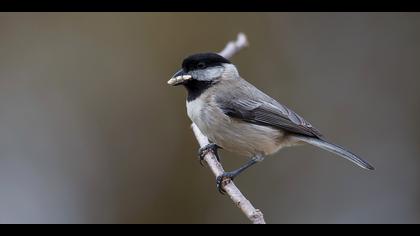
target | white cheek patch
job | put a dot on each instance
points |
(213, 73)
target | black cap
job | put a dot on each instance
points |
(203, 60)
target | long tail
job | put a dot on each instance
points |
(337, 150)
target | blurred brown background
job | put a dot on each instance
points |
(91, 133)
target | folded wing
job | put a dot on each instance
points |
(251, 105)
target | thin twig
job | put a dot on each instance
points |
(234, 47)
(253, 214)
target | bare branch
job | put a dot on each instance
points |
(234, 47)
(253, 214)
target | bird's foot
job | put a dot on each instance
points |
(202, 152)
(224, 179)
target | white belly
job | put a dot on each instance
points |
(233, 135)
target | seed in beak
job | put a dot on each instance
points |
(186, 77)
(179, 79)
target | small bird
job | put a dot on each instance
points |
(239, 118)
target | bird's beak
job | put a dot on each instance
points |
(179, 77)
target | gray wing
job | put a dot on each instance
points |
(245, 102)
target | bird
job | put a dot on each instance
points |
(239, 118)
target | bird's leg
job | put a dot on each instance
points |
(228, 176)
(211, 147)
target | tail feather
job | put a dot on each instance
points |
(337, 150)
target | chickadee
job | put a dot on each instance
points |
(239, 118)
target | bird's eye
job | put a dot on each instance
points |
(201, 65)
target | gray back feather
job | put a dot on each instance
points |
(241, 100)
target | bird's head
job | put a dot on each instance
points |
(205, 68)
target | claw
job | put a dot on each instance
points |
(211, 147)
(201, 161)
(226, 177)
(222, 180)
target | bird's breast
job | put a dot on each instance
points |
(194, 109)
(233, 135)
